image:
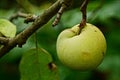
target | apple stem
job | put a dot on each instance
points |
(84, 13)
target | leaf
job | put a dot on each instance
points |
(7, 28)
(36, 64)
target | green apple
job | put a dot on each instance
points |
(7, 29)
(81, 48)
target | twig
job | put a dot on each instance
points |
(28, 17)
(18, 14)
(21, 38)
(84, 13)
(40, 20)
(65, 4)
(59, 14)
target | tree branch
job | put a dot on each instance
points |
(3, 40)
(65, 4)
(21, 38)
(28, 17)
(18, 14)
(59, 14)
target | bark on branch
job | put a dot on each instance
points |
(3, 40)
(21, 38)
(39, 21)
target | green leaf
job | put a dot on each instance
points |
(37, 64)
(7, 28)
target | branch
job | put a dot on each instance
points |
(65, 4)
(3, 40)
(28, 17)
(84, 13)
(59, 14)
(18, 14)
(21, 38)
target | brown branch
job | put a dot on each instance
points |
(84, 13)
(59, 14)
(21, 38)
(65, 4)
(4, 40)
(28, 17)
(18, 14)
(39, 21)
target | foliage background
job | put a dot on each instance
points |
(106, 17)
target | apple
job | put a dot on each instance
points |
(81, 48)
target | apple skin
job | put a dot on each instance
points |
(81, 49)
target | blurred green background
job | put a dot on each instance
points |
(105, 14)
